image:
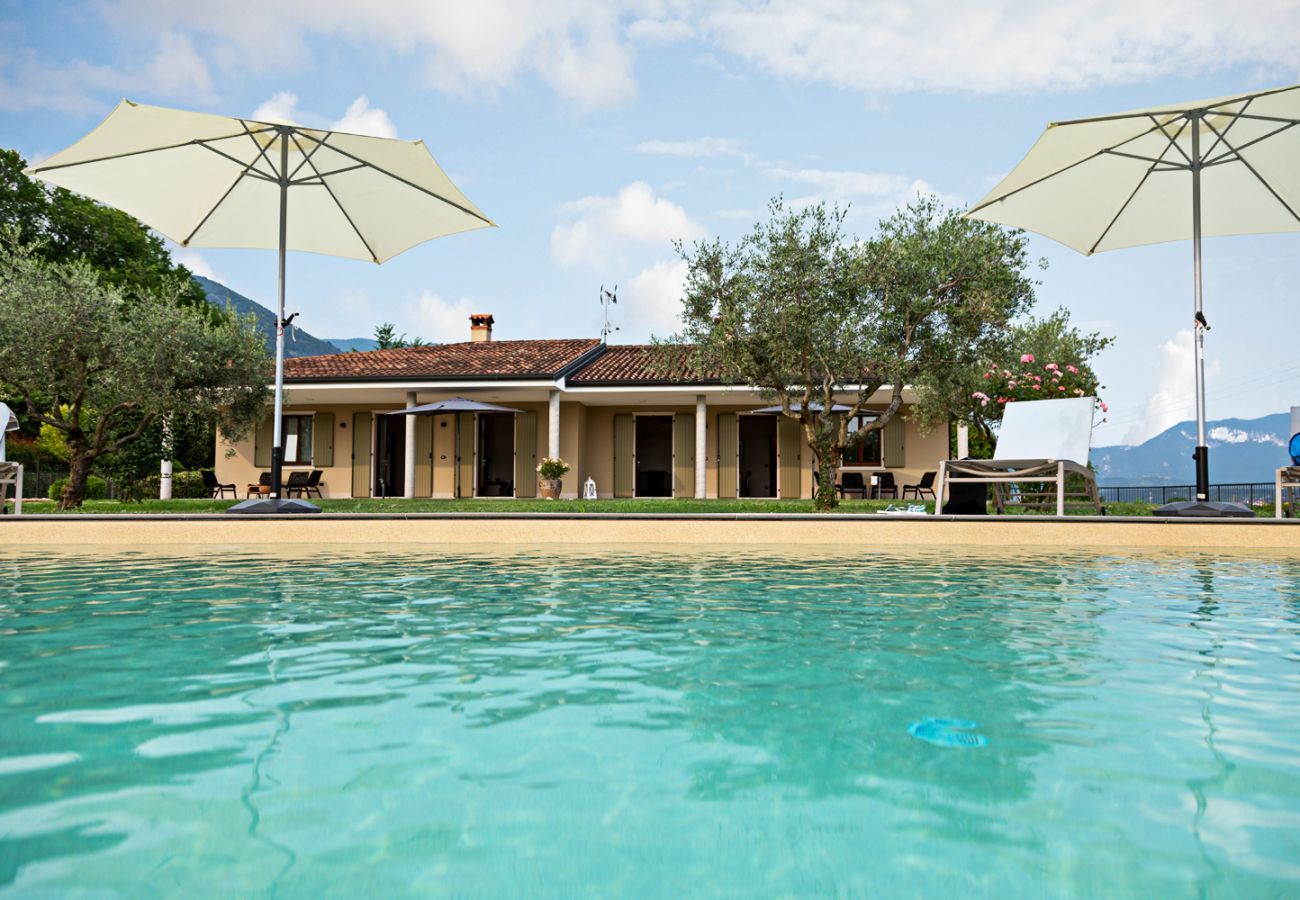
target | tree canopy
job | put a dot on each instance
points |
(809, 314)
(101, 366)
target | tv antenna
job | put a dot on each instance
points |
(607, 299)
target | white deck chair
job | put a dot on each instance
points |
(10, 473)
(1039, 441)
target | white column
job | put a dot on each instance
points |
(701, 445)
(408, 477)
(553, 425)
(165, 470)
(963, 440)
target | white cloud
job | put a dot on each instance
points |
(439, 320)
(1012, 46)
(1174, 398)
(660, 31)
(176, 71)
(697, 147)
(599, 228)
(362, 118)
(844, 184)
(1225, 435)
(281, 107)
(652, 301)
(194, 261)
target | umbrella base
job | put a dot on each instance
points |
(272, 507)
(1205, 509)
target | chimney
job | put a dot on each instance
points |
(480, 327)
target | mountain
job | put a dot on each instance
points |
(346, 344)
(1241, 450)
(296, 341)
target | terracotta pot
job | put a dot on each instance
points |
(550, 488)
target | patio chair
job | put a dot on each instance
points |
(921, 488)
(1041, 443)
(255, 490)
(297, 482)
(214, 487)
(852, 483)
(885, 484)
(313, 483)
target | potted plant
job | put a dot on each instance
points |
(552, 471)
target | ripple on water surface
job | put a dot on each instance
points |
(675, 721)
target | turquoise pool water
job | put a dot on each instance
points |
(676, 723)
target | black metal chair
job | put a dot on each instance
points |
(925, 486)
(255, 490)
(852, 483)
(214, 487)
(297, 482)
(313, 483)
(885, 484)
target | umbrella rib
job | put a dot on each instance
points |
(1262, 180)
(130, 153)
(1173, 142)
(1179, 112)
(1221, 138)
(335, 198)
(250, 171)
(315, 179)
(408, 183)
(1063, 169)
(1228, 157)
(261, 152)
(306, 156)
(234, 184)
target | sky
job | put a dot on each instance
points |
(598, 133)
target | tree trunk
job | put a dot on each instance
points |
(828, 463)
(74, 490)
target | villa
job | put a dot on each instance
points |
(619, 415)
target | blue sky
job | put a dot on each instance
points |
(595, 133)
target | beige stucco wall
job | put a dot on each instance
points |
(586, 443)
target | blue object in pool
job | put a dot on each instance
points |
(1294, 448)
(947, 732)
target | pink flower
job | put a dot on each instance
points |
(1105, 408)
(986, 374)
(1038, 387)
(1027, 358)
(1038, 378)
(1052, 367)
(1061, 389)
(982, 397)
(1002, 399)
(1011, 384)
(1078, 392)
(1072, 370)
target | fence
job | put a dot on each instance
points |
(1251, 494)
(36, 482)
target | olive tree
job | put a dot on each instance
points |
(100, 366)
(809, 314)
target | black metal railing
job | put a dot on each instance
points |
(1260, 492)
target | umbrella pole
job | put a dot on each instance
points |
(277, 443)
(1202, 453)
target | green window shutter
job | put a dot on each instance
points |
(893, 443)
(322, 440)
(361, 425)
(683, 455)
(526, 454)
(789, 455)
(423, 426)
(465, 454)
(728, 447)
(624, 460)
(262, 443)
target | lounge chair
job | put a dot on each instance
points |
(255, 490)
(313, 483)
(885, 484)
(214, 487)
(921, 488)
(297, 483)
(1040, 444)
(852, 483)
(10, 473)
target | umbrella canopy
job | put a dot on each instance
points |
(454, 405)
(798, 407)
(215, 181)
(1229, 165)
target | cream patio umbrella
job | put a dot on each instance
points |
(214, 181)
(1207, 167)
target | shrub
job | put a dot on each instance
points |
(186, 485)
(552, 468)
(96, 488)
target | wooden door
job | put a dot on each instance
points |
(728, 447)
(684, 455)
(362, 424)
(789, 447)
(423, 426)
(526, 454)
(465, 438)
(624, 455)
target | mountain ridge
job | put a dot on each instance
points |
(297, 342)
(1241, 451)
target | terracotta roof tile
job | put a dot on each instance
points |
(472, 359)
(643, 364)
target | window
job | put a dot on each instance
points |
(867, 452)
(297, 440)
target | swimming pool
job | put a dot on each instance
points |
(681, 721)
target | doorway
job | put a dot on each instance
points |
(390, 456)
(496, 455)
(654, 456)
(757, 456)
